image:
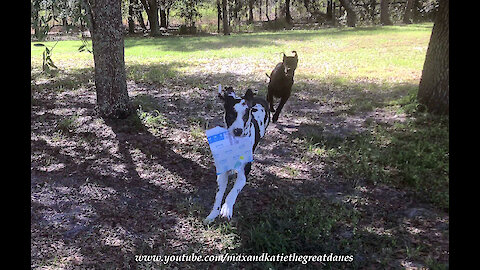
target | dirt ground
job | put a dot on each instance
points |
(105, 191)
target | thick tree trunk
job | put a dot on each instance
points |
(351, 16)
(408, 12)
(384, 13)
(108, 55)
(433, 91)
(226, 30)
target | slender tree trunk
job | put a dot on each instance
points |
(138, 13)
(250, 11)
(384, 13)
(288, 17)
(266, 10)
(260, 10)
(163, 17)
(219, 15)
(433, 90)
(131, 15)
(108, 54)
(329, 10)
(408, 12)
(351, 16)
(226, 30)
(151, 8)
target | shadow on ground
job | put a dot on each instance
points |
(104, 191)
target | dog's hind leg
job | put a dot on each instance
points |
(227, 208)
(279, 108)
(270, 100)
(222, 181)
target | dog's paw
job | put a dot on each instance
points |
(211, 217)
(227, 211)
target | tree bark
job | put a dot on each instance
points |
(250, 11)
(433, 90)
(163, 18)
(219, 15)
(131, 15)
(226, 30)
(108, 54)
(384, 13)
(329, 10)
(266, 10)
(288, 17)
(351, 16)
(151, 8)
(408, 12)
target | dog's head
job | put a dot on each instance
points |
(290, 64)
(237, 110)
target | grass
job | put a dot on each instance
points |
(361, 70)
(393, 53)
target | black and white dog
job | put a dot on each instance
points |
(244, 116)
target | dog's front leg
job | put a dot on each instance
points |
(227, 208)
(279, 108)
(222, 181)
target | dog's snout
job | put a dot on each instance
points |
(237, 132)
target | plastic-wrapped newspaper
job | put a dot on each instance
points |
(229, 152)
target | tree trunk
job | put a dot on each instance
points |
(163, 17)
(288, 17)
(408, 12)
(260, 10)
(433, 90)
(384, 13)
(131, 15)
(151, 8)
(250, 11)
(219, 15)
(226, 30)
(108, 55)
(266, 10)
(351, 16)
(329, 10)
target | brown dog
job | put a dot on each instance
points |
(281, 81)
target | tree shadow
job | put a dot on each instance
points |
(137, 178)
(253, 40)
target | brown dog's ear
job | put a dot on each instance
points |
(249, 97)
(296, 56)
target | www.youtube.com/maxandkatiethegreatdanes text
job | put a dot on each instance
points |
(264, 257)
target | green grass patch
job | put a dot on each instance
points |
(412, 154)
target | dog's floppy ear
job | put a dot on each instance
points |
(296, 56)
(220, 92)
(223, 92)
(249, 97)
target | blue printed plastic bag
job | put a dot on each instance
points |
(229, 152)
